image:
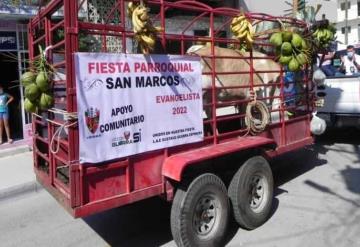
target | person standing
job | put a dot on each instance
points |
(5, 100)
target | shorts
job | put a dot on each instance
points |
(4, 115)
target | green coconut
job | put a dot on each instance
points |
(29, 106)
(284, 60)
(46, 101)
(293, 65)
(301, 58)
(286, 49)
(42, 81)
(304, 45)
(296, 41)
(32, 92)
(276, 39)
(287, 36)
(27, 78)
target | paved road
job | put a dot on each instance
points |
(317, 204)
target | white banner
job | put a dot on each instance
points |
(129, 104)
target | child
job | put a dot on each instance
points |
(5, 99)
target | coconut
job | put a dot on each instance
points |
(42, 81)
(296, 41)
(284, 60)
(27, 78)
(46, 101)
(301, 58)
(29, 106)
(293, 65)
(304, 45)
(287, 36)
(286, 49)
(32, 92)
(276, 39)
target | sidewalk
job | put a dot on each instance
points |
(16, 172)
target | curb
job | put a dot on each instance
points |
(19, 190)
(14, 150)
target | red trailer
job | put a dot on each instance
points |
(227, 171)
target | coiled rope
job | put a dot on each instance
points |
(256, 125)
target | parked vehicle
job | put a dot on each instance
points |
(341, 97)
(225, 173)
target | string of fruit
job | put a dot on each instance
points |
(292, 49)
(243, 30)
(145, 32)
(37, 85)
(324, 35)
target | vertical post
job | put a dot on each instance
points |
(346, 22)
(295, 7)
(213, 77)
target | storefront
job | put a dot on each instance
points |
(13, 62)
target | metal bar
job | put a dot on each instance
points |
(57, 25)
(213, 78)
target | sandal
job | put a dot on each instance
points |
(10, 141)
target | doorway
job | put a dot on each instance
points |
(10, 81)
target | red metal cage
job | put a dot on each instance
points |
(65, 28)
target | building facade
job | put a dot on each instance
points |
(351, 23)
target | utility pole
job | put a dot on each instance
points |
(346, 22)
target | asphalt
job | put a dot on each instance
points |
(16, 172)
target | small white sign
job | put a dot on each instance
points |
(129, 104)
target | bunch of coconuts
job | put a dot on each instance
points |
(38, 95)
(292, 50)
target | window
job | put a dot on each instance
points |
(358, 6)
(359, 32)
(343, 30)
(342, 5)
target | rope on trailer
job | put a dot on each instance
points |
(256, 125)
(67, 116)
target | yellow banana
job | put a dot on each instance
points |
(237, 28)
(249, 38)
(242, 35)
(250, 27)
(244, 26)
(137, 26)
(237, 19)
(149, 40)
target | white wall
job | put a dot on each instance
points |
(353, 22)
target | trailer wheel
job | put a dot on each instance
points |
(200, 213)
(251, 193)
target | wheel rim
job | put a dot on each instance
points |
(258, 193)
(205, 214)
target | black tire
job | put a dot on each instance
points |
(187, 227)
(251, 193)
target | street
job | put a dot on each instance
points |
(317, 202)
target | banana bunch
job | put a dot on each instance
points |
(145, 32)
(291, 48)
(243, 30)
(324, 36)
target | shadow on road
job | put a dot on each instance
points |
(146, 223)
(294, 164)
(329, 191)
(339, 135)
(351, 177)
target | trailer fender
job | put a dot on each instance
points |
(174, 166)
